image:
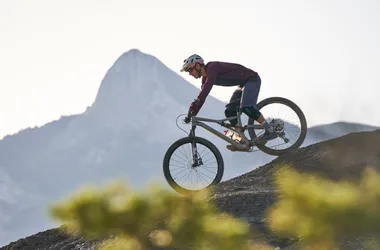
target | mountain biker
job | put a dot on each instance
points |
(248, 84)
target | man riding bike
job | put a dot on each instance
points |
(248, 84)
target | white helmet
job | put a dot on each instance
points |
(191, 61)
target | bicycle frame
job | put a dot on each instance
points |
(201, 121)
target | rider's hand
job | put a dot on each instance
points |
(188, 116)
(192, 109)
(187, 119)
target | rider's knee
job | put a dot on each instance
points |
(252, 112)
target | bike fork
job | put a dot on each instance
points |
(196, 161)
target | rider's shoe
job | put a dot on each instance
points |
(233, 148)
(269, 134)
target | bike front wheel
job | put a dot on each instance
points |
(287, 119)
(203, 170)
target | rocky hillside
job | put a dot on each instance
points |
(249, 195)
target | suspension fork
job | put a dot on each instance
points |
(196, 160)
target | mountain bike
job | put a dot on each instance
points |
(192, 159)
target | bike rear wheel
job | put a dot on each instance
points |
(178, 164)
(284, 126)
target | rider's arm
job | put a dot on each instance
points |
(207, 86)
(205, 90)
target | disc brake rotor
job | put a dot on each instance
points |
(279, 127)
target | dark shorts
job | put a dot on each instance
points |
(248, 95)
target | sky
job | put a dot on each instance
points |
(324, 55)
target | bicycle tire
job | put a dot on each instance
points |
(296, 109)
(198, 140)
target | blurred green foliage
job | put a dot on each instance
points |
(317, 211)
(321, 212)
(152, 219)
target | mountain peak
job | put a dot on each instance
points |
(139, 82)
(133, 52)
(132, 75)
(133, 56)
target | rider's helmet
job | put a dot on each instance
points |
(191, 61)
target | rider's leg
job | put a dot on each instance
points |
(248, 105)
(255, 114)
(230, 110)
(248, 102)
